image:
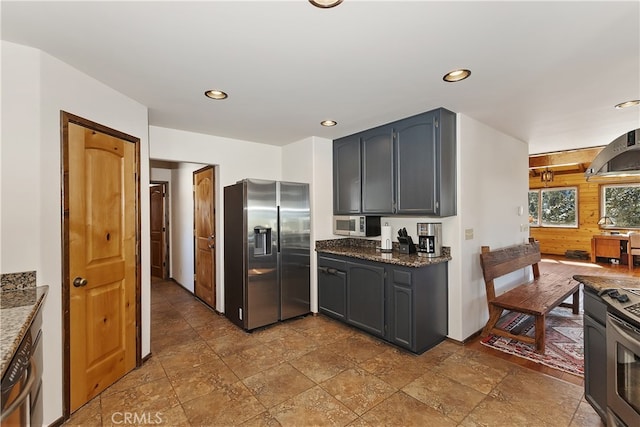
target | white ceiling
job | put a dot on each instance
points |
(548, 73)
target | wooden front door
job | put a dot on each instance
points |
(156, 194)
(101, 193)
(204, 235)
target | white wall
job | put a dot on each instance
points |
(311, 161)
(492, 184)
(182, 206)
(234, 160)
(322, 189)
(35, 87)
(20, 157)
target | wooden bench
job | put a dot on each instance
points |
(535, 298)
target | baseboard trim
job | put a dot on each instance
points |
(181, 285)
(466, 340)
(215, 310)
(57, 423)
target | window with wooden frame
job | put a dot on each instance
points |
(621, 204)
(554, 207)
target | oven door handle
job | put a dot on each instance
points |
(24, 394)
(626, 328)
(627, 333)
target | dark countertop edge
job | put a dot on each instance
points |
(601, 284)
(19, 334)
(409, 260)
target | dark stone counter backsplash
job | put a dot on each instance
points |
(17, 281)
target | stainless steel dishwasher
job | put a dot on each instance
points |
(21, 401)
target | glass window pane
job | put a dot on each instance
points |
(622, 204)
(534, 207)
(560, 207)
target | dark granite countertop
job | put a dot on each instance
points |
(367, 250)
(18, 308)
(600, 284)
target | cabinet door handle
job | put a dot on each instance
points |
(328, 270)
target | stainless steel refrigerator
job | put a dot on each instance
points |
(266, 252)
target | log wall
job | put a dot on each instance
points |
(558, 240)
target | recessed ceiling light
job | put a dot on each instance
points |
(215, 94)
(456, 75)
(628, 104)
(325, 4)
(328, 123)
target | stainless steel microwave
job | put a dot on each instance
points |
(358, 225)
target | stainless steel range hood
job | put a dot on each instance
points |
(620, 158)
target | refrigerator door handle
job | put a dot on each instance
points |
(278, 219)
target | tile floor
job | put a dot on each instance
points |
(315, 371)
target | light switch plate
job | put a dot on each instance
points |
(468, 234)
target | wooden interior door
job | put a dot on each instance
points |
(102, 260)
(156, 194)
(204, 235)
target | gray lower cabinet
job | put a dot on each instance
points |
(332, 287)
(401, 315)
(405, 306)
(365, 297)
(417, 306)
(595, 352)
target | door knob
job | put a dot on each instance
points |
(79, 281)
(211, 241)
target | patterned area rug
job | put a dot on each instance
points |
(564, 346)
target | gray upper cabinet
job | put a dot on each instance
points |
(406, 167)
(377, 170)
(346, 175)
(445, 172)
(416, 153)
